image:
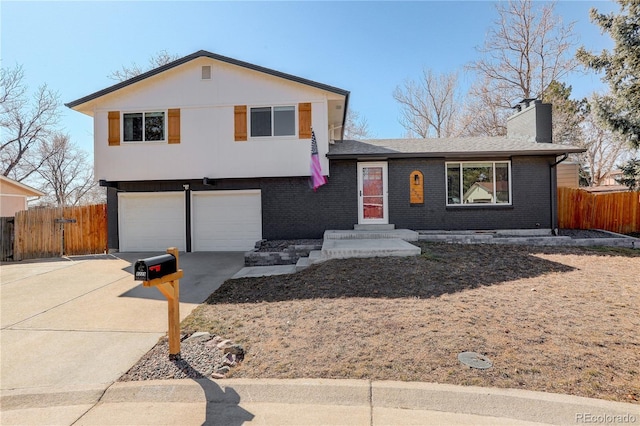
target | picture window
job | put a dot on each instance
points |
(473, 183)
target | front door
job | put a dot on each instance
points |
(372, 193)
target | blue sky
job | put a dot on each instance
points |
(368, 48)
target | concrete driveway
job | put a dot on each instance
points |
(70, 327)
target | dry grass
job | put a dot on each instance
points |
(562, 320)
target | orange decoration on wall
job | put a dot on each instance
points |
(416, 187)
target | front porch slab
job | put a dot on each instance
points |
(377, 247)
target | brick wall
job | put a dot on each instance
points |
(531, 204)
(291, 209)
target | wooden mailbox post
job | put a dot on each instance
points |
(169, 286)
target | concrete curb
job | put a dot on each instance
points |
(502, 403)
(513, 404)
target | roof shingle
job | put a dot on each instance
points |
(445, 147)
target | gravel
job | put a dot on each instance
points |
(200, 358)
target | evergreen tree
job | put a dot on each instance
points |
(567, 113)
(621, 108)
(630, 174)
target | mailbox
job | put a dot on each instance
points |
(155, 267)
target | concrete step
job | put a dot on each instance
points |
(387, 227)
(303, 263)
(402, 234)
(377, 247)
(315, 256)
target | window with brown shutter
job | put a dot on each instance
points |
(174, 125)
(114, 128)
(304, 120)
(240, 123)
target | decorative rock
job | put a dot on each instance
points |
(217, 376)
(224, 344)
(211, 343)
(199, 335)
(222, 370)
(229, 360)
(234, 350)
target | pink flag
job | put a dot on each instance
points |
(317, 179)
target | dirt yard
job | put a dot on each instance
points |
(562, 320)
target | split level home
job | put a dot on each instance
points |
(210, 153)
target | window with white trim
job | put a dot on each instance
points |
(273, 121)
(478, 183)
(143, 126)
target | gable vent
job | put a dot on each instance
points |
(206, 72)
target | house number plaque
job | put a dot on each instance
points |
(416, 187)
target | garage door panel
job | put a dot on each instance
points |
(226, 220)
(151, 221)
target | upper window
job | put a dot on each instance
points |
(471, 183)
(273, 121)
(143, 126)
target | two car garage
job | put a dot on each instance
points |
(206, 221)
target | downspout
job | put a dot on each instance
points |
(344, 115)
(554, 193)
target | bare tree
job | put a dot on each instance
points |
(66, 174)
(25, 123)
(605, 148)
(157, 60)
(356, 126)
(481, 114)
(525, 51)
(430, 105)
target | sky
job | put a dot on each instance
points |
(368, 48)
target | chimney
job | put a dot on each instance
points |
(532, 122)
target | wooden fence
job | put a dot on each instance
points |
(56, 231)
(616, 212)
(6, 238)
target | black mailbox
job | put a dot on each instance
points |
(155, 267)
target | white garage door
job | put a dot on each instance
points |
(226, 220)
(151, 221)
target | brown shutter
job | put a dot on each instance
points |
(304, 120)
(240, 123)
(174, 125)
(114, 128)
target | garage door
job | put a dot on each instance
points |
(151, 221)
(226, 220)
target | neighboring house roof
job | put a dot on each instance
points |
(605, 188)
(501, 186)
(11, 187)
(467, 147)
(204, 53)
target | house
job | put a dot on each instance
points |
(568, 175)
(14, 196)
(211, 153)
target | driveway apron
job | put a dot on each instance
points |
(71, 327)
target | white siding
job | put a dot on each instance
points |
(207, 145)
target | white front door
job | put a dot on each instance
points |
(373, 207)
